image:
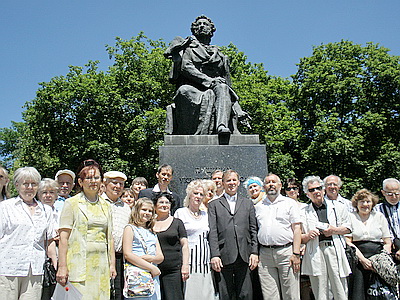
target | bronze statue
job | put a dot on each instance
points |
(204, 102)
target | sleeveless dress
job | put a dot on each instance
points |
(150, 240)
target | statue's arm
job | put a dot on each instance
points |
(191, 73)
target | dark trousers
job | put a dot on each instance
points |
(171, 285)
(234, 281)
(119, 280)
(47, 292)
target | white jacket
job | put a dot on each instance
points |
(337, 216)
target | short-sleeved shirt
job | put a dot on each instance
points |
(22, 237)
(375, 228)
(275, 220)
(171, 245)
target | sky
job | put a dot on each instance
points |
(40, 39)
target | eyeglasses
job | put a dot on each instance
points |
(292, 188)
(319, 188)
(390, 194)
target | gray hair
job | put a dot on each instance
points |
(26, 173)
(389, 180)
(311, 179)
(48, 183)
(340, 182)
(198, 183)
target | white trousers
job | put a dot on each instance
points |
(329, 283)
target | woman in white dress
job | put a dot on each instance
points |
(199, 285)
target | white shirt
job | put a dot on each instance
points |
(231, 201)
(344, 201)
(121, 213)
(22, 237)
(275, 220)
(375, 229)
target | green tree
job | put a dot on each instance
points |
(347, 100)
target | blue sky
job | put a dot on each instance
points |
(40, 39)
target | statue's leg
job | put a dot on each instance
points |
(223, 105)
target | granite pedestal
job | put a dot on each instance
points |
(197, 156)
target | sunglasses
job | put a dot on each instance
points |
(319, 188)
(293, 188)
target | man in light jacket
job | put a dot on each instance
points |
(325, 222)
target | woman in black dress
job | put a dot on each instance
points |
(174, 244)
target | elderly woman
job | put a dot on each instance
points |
(47, 194)
(370, 234)
(4, 188)
(86, 254)
(24, 225)
(172, 236)
(199, 285)
(254, 187)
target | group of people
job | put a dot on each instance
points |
(213, 244)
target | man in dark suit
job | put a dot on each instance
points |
(164, 177)
(233, 240)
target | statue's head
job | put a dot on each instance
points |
(203, 26)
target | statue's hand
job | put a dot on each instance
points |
(244, 119)
(217, 80)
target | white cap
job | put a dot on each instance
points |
(68, 172)
(115, 174)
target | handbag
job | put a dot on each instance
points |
(378, 289)
(138, 282)
(49, 272)
(385, 267)
(351, 257)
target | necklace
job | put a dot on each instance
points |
(97, 199)
(195, 214)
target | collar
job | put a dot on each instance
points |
(119, 201)
(390, 205)
(157, 189)
(230, 198)
(323, 205)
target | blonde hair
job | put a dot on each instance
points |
(135, 218)
(198, 183)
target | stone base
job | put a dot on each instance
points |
(194, 157)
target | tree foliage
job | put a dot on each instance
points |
(338, 115)
(347, 100)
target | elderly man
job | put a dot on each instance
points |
(164, 176)
(325, 222)
(233, 240)
(333, 184)
(65, 179)
(114, 182)
(390, 209)
(279, 235)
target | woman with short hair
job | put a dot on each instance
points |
(199, 285)
(255, 190)
(24, 225)
(370, 235)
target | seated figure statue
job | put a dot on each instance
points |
(204, 102)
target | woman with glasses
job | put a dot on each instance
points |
(24, 225)
(254, 187)
(86, 248)
(173, 240)
(292, 188)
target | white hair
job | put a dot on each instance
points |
(311, 179)
(389, 180)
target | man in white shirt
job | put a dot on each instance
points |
(114, 182)
(279, 235)
(333, 184)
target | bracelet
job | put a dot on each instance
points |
(297, 254)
